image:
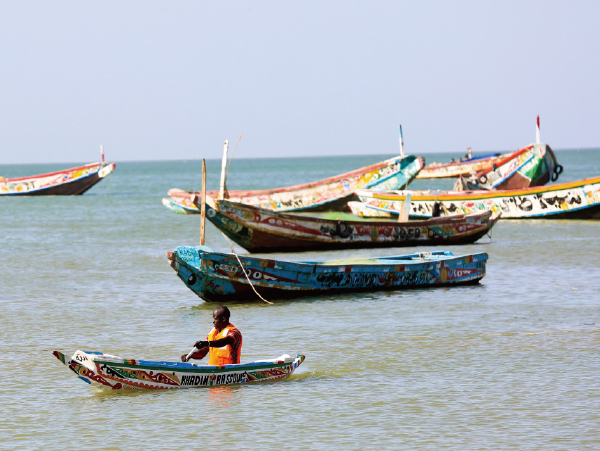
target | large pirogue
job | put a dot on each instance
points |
(218, 277)
(571, 200)
(332, 193)
(262, 230)
(105, 370)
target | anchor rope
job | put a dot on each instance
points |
(244, 270)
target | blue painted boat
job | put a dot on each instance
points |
(218, 277)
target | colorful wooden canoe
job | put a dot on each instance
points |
(329, 194)
(572, 200)
(464, 167)
(534, 165)
(109, 371)
(261, 230)
(66, 182)
(218, 277)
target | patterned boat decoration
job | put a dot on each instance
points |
(461, 168)
(534, 165)
(109, 371)
(572, 200)
(261, 230)
(66, 182)
(329, 194)
(217, 277)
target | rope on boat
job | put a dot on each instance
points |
(244, 269)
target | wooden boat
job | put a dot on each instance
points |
(218, 277)
(261, 230)
(462, 168)
(328, 194)
(534, 165)
(66, 182)
(105, 370)
(572, 200)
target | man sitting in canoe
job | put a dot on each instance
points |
(223, 344)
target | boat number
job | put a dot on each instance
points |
(80, 357)
(227, 268)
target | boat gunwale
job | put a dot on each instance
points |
(192, 367)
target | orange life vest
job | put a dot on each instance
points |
(223, 356)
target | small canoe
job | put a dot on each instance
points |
(329, 194)
(109, 371)
(461, 168)
(67, 182)
(218, 277)
(261, 230)
(571, 200)
(534, 165)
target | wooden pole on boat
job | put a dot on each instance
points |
(405, 210)
(203, 204)
(401, 142)
(101, 153)
(222, 188)
(537, 131)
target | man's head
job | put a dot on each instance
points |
(221, 317)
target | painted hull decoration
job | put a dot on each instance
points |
(328, 194)
(572, 200)
(217, 277)
(531, 166)
(66, 182)
(261, 230)
(108, 371)
(461, 168)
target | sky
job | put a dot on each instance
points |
(156, 80)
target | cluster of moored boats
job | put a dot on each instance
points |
(370, 207)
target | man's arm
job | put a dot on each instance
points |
(203, 347)
(199, 354)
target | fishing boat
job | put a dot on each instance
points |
(571, 200)
(109, 371)
(262, 230)
(219, 277)
(464, 167)
(71, 181)
(329, 194)
(534, 165)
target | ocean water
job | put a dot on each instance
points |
(511, 363)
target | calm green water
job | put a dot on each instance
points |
(513, 362)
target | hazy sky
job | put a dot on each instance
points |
(172, 79)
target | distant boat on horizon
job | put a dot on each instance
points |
(67, 182)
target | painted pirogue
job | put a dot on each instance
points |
(219, 277)
(261, 230)
(534, 165)
(109, 371)
(464, 168)
(571, 200)
(66, 182)
(329, 194)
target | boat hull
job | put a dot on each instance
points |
(465, 168)
(261, 230)
(329, 194)
(69, 182)
(217, 277)
(573, 200)
(107, 371)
